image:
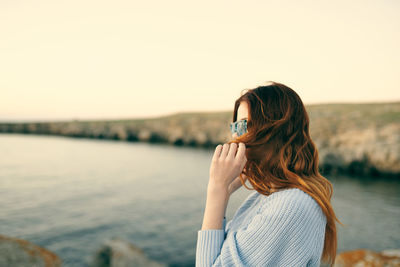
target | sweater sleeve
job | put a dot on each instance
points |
(283, 234)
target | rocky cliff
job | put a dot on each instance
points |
(357, 139)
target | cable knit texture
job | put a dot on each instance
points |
(286, 228)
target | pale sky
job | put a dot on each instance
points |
(96, 59)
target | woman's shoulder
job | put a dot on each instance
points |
(293, 202)
(289, 196)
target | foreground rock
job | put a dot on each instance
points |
(363, 257)
(120, 253)
(21, 253)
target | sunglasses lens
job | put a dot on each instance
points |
(239, 127)
(233, 127)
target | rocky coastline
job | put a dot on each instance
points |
(353, 139)
(114, 252)
(117, 252)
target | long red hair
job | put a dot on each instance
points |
(280, 153)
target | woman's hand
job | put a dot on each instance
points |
(227, 163)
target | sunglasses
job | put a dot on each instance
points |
(239, 127)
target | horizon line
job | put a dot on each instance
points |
(48, 120)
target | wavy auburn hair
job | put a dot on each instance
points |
(280, 153)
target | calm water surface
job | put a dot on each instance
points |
(70, 195)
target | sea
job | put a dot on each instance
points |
(71, 195)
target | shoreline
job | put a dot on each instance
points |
(352, 139)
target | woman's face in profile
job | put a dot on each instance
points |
(242, 113)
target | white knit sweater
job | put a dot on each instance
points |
(286, 228)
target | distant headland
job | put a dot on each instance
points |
(355, 139)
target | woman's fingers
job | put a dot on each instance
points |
(227, 163)
(221, 151)
(232, 150)
(225, 150)
(241, 153)
(217, 152)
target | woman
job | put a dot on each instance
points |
(288, 220)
